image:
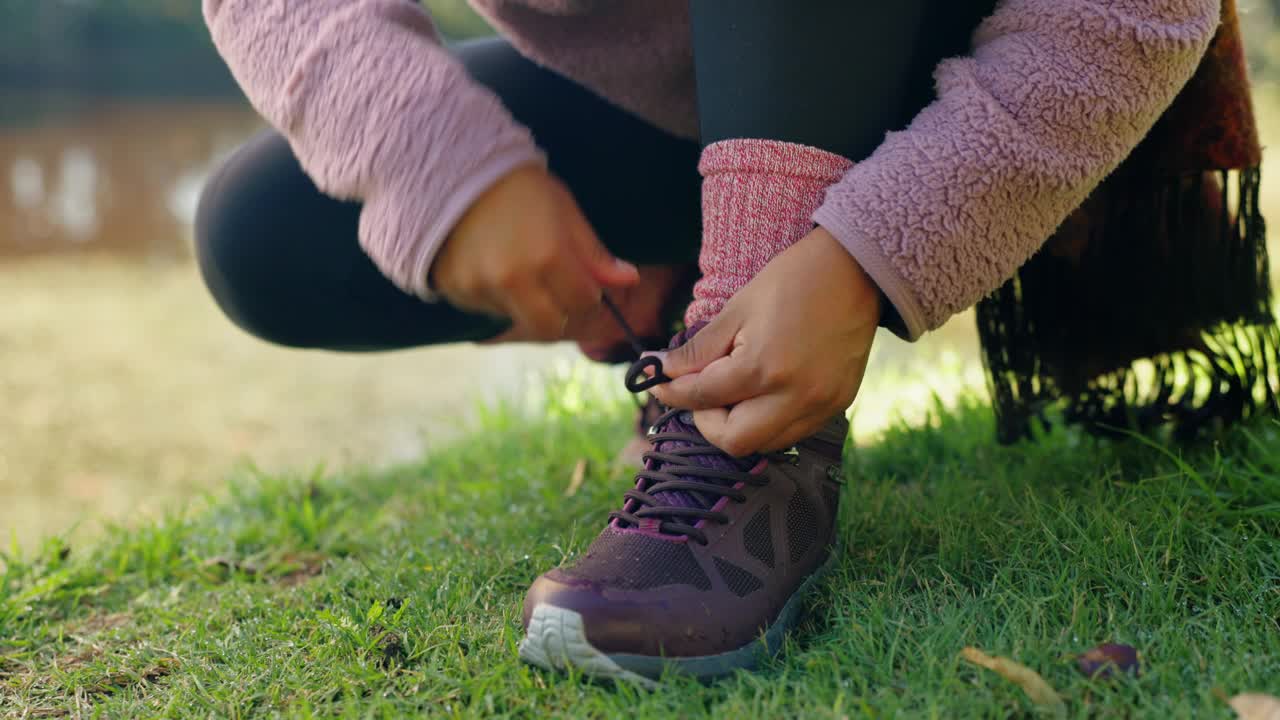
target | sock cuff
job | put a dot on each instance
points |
(772, 157)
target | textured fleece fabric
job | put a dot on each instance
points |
(758, 198)
(1053, 96)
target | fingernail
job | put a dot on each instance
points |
(660, 354)
(623, 264)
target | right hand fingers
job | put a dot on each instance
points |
(599, 263)
(576, 295)
(534, 291)
(534, 310)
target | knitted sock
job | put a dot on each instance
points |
(758, 198)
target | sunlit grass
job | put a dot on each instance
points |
(395, 593)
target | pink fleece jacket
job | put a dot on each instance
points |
(1053, 96)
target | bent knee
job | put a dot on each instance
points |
(241, 247)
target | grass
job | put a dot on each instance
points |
(395, 593)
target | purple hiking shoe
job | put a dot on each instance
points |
(704, 568)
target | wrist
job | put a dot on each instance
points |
(868, 299)
(497, 195)
(902, 312)
(485, 204)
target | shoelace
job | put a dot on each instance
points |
(672, 469)
(676, 471)
(637, 379)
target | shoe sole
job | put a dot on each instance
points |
(557, 640)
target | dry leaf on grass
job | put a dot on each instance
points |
(1256, 706)
(1109, 659)
(1040, 692)
(575, 481)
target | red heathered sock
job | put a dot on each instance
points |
(758, 198)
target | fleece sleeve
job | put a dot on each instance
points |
(1055, 94)
(376, 110)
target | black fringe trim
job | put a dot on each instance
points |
(1162, 319)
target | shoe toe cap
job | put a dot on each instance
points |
(672, 620)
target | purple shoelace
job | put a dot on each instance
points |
(684, 476)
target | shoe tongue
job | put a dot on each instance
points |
(683, 423)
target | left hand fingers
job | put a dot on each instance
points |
(759, 425)
(720, 384)
(714, 341)
(756, 425)
(797, 431)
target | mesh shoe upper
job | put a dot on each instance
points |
(635, 561)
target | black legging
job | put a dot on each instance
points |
(283, 261)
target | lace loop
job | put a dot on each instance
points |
(638, 379)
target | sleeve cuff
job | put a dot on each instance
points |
(419, 227)
(459, 201)
(904, 317)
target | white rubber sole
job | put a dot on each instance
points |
(556, 640)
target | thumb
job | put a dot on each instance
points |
(609, 271)
(712, 342)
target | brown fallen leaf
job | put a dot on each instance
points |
(1040, 692)
(1108, 660)
(1256, 706)
(575, 480)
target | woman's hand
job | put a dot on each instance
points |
(642, 307)
(524, 251)
(784, 356)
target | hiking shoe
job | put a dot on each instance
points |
(703, 569)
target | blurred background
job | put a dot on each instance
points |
(123, 391)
